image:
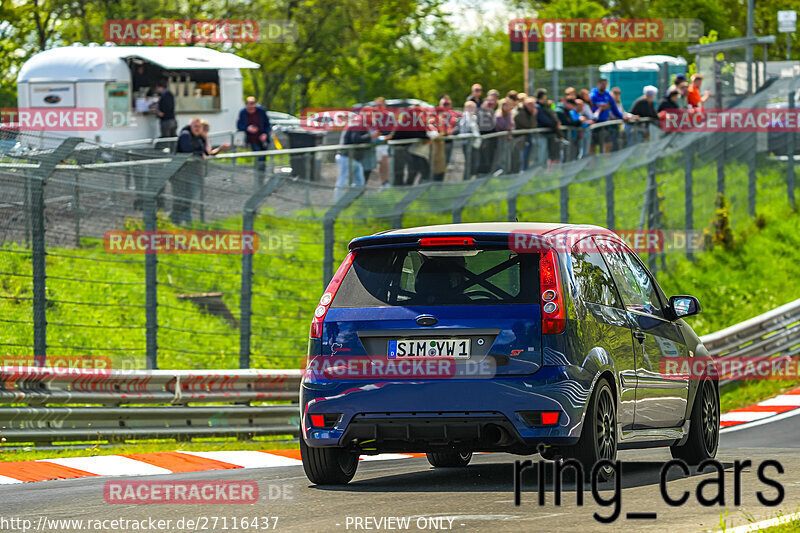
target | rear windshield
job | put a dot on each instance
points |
(437, 277)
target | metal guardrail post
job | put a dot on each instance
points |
(153, 188)
(328, 229)
(246, 300)
(37, 182)
(790, 159)
(688, 191)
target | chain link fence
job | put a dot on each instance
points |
(63, 293)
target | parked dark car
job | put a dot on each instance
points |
(513, 336)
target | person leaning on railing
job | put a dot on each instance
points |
(468, 125)
(668, 103)
(504, 122)
(524, 118)
(547, 119)
(356, 133)
(254, 121)
(205, 127)
(643, 107)
(410, 160)
(187, 181)
(487, 124)
(569, 116)
(604, 106)
(446, 121)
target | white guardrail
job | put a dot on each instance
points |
(157, 402)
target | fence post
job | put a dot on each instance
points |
(790, 159)
(26, 207)
(721, 164)
(751, 178)
(76, 208)
(391, 163)
(429, 177)
(688, 197)
(468, 160)
(246, 295)
(653, 219)
(611, 221)
(328, 227)
(203, 191)
(153, 187)
(396, 215)
(564, 190)
(461, 200)
(350, 169)
(46, 167)
(513, 191)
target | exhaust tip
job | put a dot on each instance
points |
(496, 435)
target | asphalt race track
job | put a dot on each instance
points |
(477, 498)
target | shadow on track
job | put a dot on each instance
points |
(499, 477)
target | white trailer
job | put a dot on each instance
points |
(120, 81)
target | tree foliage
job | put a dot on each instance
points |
(352, 51)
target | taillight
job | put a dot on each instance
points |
(325, 421)
(327, 296)
(447, 241)
(540, 418)
(553, 317)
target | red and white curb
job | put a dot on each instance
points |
(147, 464)
(780, 404)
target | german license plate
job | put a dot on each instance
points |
(448, 348)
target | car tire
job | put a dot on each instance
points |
(703, 437)
(598, 438)
(449, 459)
(328, 466)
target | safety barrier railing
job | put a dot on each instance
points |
(184, 395)
(55, 404)
(771, 336)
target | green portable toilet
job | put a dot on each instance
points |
(632, 75)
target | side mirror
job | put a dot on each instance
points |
(684, 306)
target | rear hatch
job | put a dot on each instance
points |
(474, 305)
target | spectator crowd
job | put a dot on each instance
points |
(493, 132)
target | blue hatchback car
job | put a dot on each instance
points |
(509, 337)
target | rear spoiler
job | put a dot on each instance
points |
(414, 240)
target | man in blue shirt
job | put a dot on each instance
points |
(604, 106)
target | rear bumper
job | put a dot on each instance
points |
(421, 415)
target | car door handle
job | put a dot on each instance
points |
(639, 335)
